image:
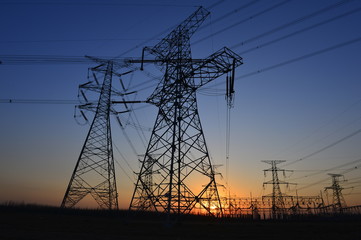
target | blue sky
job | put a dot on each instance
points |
(287, 111)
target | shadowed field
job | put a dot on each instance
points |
(37, 222)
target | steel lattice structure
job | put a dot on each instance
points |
(277, 197)
(177, 155)
(293, 205)
(338, 201)
(94, 172)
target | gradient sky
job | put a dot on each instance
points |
(297, 93)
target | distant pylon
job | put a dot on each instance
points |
(277, 197)
(338, 201)
(144, 201)
(94, 172)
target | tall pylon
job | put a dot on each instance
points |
(94, 172)
(277, 197)
(338, 201)
(177, 157)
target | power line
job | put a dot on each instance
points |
(350, 183)
(323, 125)
(40, 101)
(135, 122)
(296, 59)
(326, 179)
(128, 139)
(123, 170)
(300, 31)
(92, 3)
(296, 21)
(215, 4)
(243, 6)
(141, 133)
(352, 179)
(262, 70)
(43, 59)
(356, 193)
(56, 59)
(72, 40)
(81, 60)
(228, 143)
(127, 163)
(242, 21)
(327, 170)
(325, 148)
(59, 59)
(303, 57)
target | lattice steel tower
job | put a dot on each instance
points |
(277, 197)
(177, 157)
(94, 172)
(338, 201)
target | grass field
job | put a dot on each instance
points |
(37, 222)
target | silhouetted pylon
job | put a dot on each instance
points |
(177, 154)
(277, 197)
(338, 201)
(94, 172)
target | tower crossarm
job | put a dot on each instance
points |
(279, 182)
(117, 63)
(217, 64)
(169, 46)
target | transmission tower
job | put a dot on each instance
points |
(94, 172)
(177, 156)
(277, 197)
(338, 201)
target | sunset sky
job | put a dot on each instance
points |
(297, 95)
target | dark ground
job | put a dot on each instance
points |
(35, 222)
